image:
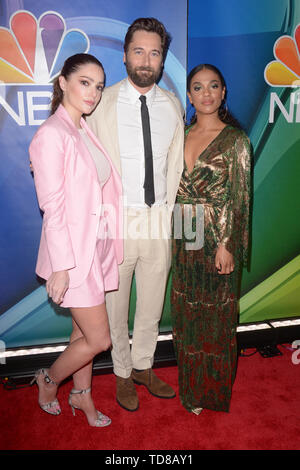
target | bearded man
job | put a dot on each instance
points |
(141, 127)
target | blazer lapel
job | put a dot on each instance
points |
(109, 123)
(175, 155)
(63, 115)
(111, 129)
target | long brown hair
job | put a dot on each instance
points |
(70, 66)
(223, 112)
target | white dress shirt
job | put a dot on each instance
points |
(163, 123)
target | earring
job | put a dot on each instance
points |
(223, 110)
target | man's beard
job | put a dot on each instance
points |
(139, 79)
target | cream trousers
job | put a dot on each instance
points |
(147, 255)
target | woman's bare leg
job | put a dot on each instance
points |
(83, 377)
(83, 380)
(92, 323)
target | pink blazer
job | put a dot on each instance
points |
(71, 198)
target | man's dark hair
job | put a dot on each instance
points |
(151, 25)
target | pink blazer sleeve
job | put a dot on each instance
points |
(47, 154)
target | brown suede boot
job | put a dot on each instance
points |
(126, 394)
(155, 386)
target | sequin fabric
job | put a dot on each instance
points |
(204, 304)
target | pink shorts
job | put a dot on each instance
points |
(103, 276)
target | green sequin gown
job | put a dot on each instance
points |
(204, 304)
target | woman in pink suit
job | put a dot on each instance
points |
(79, 191)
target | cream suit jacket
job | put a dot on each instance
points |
(104, 124)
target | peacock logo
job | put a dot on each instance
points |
(32, 51)
(285, 70)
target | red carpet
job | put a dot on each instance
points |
(264, 415)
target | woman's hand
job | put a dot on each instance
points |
(224, 261)
(57, 285)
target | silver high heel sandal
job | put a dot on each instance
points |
(53, 407)
(101, 421)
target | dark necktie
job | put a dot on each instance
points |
(149, 180)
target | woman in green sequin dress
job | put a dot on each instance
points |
(205, 280)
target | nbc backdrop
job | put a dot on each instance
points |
(255, 43)
(35, 39)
